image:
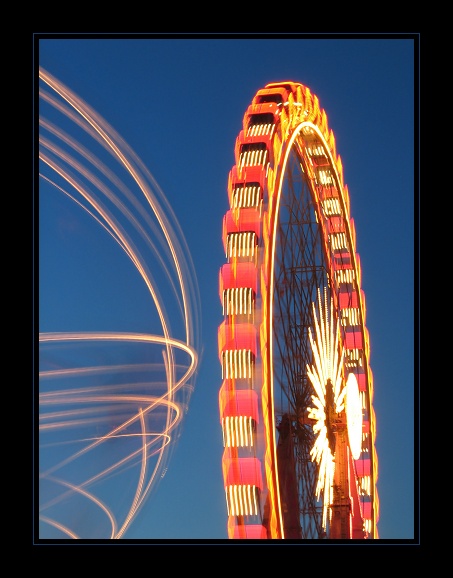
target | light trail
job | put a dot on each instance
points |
(106, 430)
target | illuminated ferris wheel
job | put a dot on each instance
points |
(295, 403)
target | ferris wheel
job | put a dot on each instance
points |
(296, 398)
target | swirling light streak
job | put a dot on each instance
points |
(115, 144)
(114, 230)
(106, 172)
(91, 443)
(82, 491)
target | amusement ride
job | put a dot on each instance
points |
(296, 397)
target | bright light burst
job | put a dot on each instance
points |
(326, 377)
(111, 403)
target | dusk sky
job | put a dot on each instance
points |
(176, 106)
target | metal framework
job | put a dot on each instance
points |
(295, 404)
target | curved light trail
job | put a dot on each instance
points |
(111, 403)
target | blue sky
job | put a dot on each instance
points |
(178, 103)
